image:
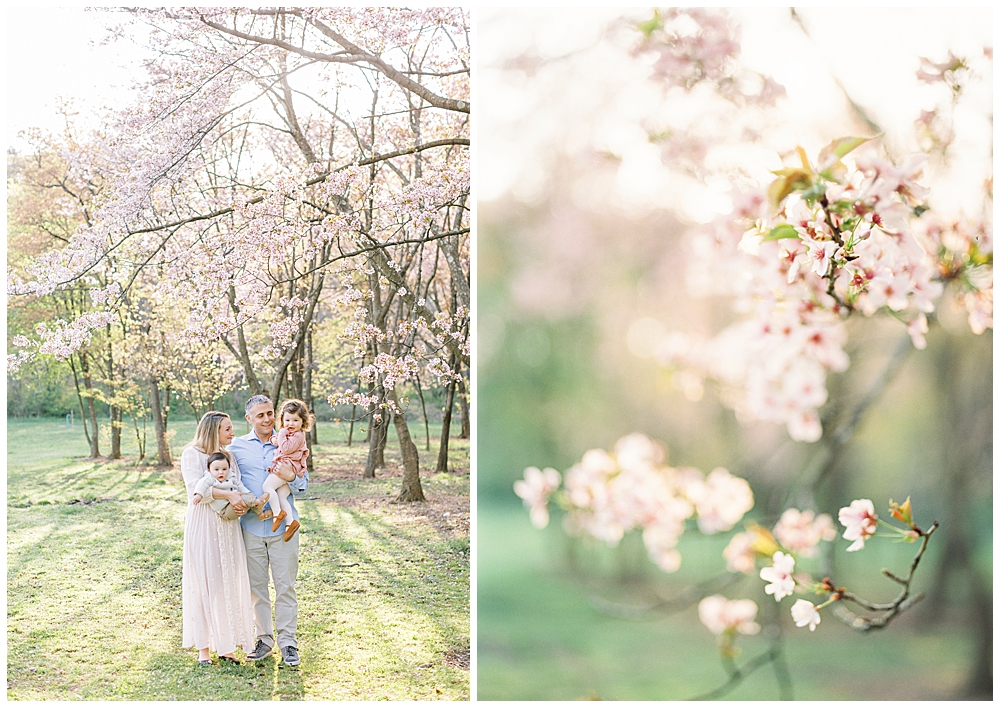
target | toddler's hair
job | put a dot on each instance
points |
(215, 457)
(294, 405)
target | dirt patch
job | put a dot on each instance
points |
(448, 514)
(457, 657)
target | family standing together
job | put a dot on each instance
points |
(228, 554)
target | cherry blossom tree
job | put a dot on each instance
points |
(274, 155)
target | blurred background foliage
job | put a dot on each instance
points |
(572, 278)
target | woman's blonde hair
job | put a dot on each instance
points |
(294, 405)
(206, 437)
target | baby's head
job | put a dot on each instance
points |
(218, 465)
(295, 416)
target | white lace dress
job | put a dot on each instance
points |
(216, 588)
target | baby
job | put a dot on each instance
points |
(296, 421)
(219, 476)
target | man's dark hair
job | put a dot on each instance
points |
(255, 400)
(215, 457)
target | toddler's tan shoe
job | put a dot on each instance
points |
(277, 520)
(290, 531)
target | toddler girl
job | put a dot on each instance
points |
(296, 421)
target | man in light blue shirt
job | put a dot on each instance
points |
(254, 453)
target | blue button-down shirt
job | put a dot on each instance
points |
(254, 456)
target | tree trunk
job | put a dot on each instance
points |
(449, 404)
(350, 430)
(160, 425)
(411, 490)
(92, 440)
(979, 685)
(423, 408)
(307, 363)
(88, 383)
(378, 431)
(463, 407)
(114, 411)
(116, 432)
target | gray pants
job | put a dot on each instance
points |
(283, 559)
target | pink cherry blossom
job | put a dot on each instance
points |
(860, 521)
(535, 489)
(720, 501)
(805, 613)
(734, 616)
(610, 494)
(779, 576)
(739, 554)
(801, 531)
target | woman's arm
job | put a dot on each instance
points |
(192, 472)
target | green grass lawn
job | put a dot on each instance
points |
(545, 629)
(94, 579)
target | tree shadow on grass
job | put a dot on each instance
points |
(178, 676)
(64, 480)
(404, 567)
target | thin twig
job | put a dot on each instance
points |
(892, 609)
(738, 674)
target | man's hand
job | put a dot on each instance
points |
(284, 471)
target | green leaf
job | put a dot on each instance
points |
(789, 180)
(781, 231)
(835, 173)
(649, 26)
(842, 146)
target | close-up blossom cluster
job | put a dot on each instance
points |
(607, 494)
(825, 241)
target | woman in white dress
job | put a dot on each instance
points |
(217, 611)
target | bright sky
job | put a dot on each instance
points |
(55, 53)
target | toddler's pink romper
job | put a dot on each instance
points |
(291, 448)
